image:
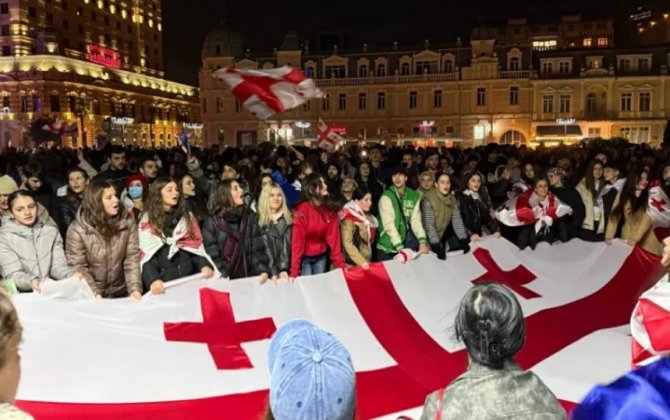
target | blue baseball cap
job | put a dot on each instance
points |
(311, 374)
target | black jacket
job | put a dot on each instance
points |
(116, 178)
(182, 264)
(476, 215)
(569, 195)
(65, 211)
(277, 240)
(236, 256)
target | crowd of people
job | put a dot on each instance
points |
(129, 220)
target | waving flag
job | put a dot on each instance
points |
(200, 350)
(266, 92)
(327, 139)
(649, 325)
(527, 209)
(659, 210)
(183, 143)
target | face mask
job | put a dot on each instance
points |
(135, 192)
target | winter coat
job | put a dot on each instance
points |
(111, 267)
(182, 264)
(315, 231)
(484, 393)
(569, 195)
(359, 230)
(476, 215)
(590, 203)
(636, 226)
(65, 211)
(277, 239)
(235, 244)
(30, 253)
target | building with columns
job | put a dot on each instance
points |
(513, 82)
(94, 63)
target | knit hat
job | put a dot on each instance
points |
(311, 374)
(7, 185)
(138, 177)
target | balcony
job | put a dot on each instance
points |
(515, 74)
(385, 80)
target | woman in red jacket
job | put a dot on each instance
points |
(316, 230)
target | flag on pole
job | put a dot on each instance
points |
(528, 208)
(183, 143)
(659, 210)
(270, 91)
(327, 138)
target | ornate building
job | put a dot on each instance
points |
(517, 82)
(96, 63)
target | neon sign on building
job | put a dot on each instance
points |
(105, 56)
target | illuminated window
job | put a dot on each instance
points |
(151, 23)
(587, 42)
(603, 42)
(100, 4)
(549, 44)
(160, 27)
(124, 13)
(112, 9)
(479, 132)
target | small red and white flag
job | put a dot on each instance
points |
(57, 127)
(659, 210)
(270, 91)
(327, 138)
(649, 325)
(528, 208)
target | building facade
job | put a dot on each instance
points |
(517, 82)
(94, 63)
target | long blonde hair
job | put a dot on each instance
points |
(264, 212)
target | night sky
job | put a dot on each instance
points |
(263, 23)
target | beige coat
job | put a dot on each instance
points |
(360, 254)
(587, 199)
(112, 268)
(637, 226)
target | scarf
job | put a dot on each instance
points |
(353, 212)
(443, 207)
(470, 193)
(152, 241)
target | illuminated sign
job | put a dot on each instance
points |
(565, 121)
(122, 120)
(105, 56)
(193, 126)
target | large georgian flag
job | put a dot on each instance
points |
(199, 351)
(270, 91)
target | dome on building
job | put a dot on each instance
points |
(223, 42)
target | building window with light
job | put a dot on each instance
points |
(626, 102)
(603, 42)
(514, 95)
(587, 42)
(564, 104)
(412, 99)
(548, 104)
(437, 99)
(645, 101)
(481, 96)
(342, 102)
(219, 104)
(381, 100)
(362, 101)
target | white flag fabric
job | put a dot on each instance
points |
(327, 138)
(200, 350)
(528, 208)
(270, 91)
(659, 210)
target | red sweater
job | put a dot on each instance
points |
(315, 229)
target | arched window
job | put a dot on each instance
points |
(513, 137)
(514, 63)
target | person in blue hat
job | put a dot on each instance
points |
(311, 375)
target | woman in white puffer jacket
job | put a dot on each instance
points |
(31, 251)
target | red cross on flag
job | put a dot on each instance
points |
(200, 350)
(327, 138)
(659, 210)
(269, 91)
